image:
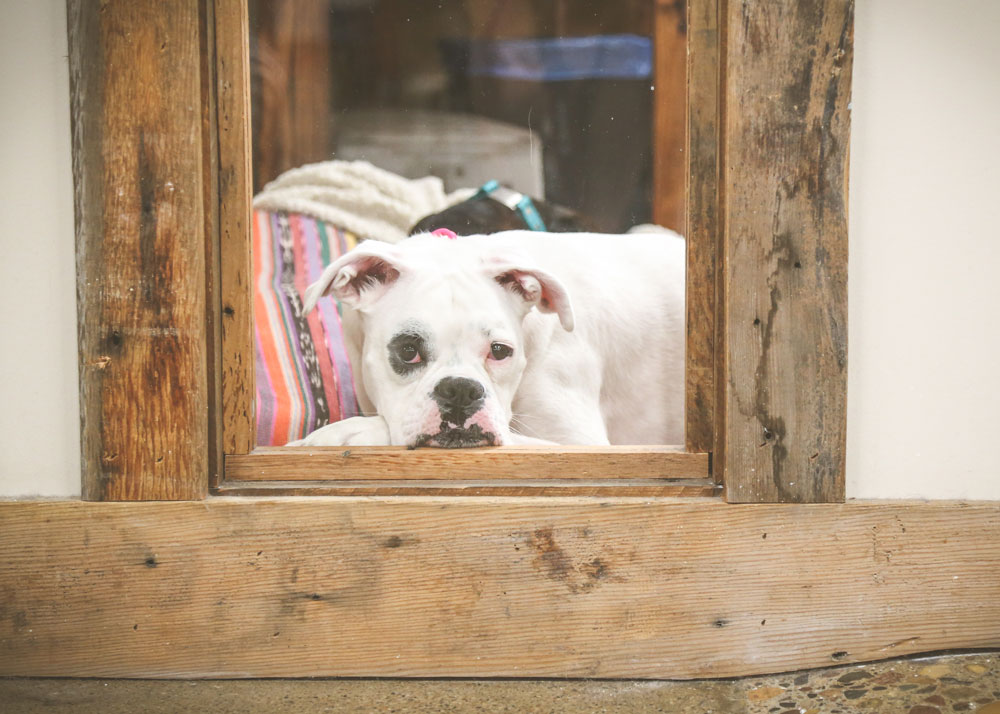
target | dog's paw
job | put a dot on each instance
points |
(356, 431)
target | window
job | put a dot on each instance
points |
(766, 350)
(464, 70)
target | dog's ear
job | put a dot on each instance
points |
(536, 288)
(357, 278)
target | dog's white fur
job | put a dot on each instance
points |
(596, 323)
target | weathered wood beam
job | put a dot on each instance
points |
(561, 587)
(135, 70)
(702, 226)
(782, 380)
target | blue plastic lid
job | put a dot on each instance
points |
(563, 58)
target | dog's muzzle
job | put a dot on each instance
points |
(459, 400)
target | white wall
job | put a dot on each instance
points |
(39, 413)
(924, 355)
(925, 249)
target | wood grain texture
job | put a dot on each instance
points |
(488, 587)
(669, 101)
(603, 488)
(509, 462)
(137, 167)
(234, 196)
(722, 272)
(702, 220)
(786, 125)
(213, 257)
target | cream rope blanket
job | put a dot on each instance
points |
(359, 197)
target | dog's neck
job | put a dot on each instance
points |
(515, 201)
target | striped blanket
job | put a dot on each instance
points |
(303, 220)
(304, 377)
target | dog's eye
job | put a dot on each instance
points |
(407, 352)
(410, 354)
(499, 351)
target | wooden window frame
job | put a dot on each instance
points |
(781, 473)
(766, 288)
(581, 586)
(248, 469)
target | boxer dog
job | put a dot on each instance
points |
(515, 338)
(496, 210)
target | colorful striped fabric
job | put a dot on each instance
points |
(304, 377)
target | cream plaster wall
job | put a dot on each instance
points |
(925, 249)
(39, 413)
(924, 290)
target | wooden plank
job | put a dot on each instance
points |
(213, 273)
(137, 168)
(488, 587)
(722, 271)
(234, 196)
(636, 488)
(507, 462)
(786, 125)
(669, 101)
(702, 220)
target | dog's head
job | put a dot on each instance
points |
(443, 331)
(480, 215)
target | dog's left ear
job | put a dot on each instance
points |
(537, 288)
(358, 278)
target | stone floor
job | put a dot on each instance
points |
(955, 683)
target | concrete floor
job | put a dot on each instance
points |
(914, 686)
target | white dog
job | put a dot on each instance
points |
(513, 338)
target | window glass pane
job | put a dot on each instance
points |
(553, 99)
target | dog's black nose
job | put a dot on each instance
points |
(458, 398)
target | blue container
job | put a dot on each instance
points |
(563, 58)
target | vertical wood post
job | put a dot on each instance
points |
(231, 164)
(701, 230)
(783, 308)
(141, 281)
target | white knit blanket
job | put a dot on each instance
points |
(358, 197)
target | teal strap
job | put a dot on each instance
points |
(526, 207)
(489, 187)
(515, 201)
